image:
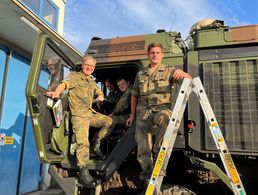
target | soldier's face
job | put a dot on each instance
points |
(109, 86)
(123, 85)
(155, 55)
(88, 67)
(52, 67)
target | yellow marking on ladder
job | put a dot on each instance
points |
(158, 164)
(150, 189)
(214, 124)
(232, 169)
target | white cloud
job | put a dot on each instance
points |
(170, 14)
(108, 19)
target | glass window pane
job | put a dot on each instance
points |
(44, 77)
(32, 4)
(31, 165)
(12, 124)
(52, 70)
(2, 65)
(49, 13)
(14, 101)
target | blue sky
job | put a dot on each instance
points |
(85, 19)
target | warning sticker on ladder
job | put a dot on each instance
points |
(217, 132)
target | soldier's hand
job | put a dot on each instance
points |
(100, 98)
(53, 95)
(129, 121)
(179, 74)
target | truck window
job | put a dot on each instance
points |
(53, 69)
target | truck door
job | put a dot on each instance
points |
(49, 118)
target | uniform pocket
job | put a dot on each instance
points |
(83, 90)
(82, 84)
(142, 85)
(162, 86)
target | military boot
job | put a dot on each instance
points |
(96, 150)
(85, 178)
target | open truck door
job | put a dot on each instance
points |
(49, 66)
(51, 120)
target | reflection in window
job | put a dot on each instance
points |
(14, 101)
(49, 13)
(33, 5)
(53, 68)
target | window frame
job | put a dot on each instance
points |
(42, 2)
(40, 12)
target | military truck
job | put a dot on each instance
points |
(226, 60)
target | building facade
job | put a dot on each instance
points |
(20, 21)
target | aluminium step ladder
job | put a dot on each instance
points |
(171, 132)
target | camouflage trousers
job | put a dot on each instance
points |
(117, 120)
(144, 126)
(81, 130)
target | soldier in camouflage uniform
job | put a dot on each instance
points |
(110, 101)
(122, 108)
(119, 115)
(82, 88)
(151, 105)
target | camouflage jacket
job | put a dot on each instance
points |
(154, 90)
(81, 91)
(113, 96)
(123, 105)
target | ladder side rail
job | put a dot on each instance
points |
(166, 150)
(218, 138)
(169, 137)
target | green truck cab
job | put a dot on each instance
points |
(226, 60)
